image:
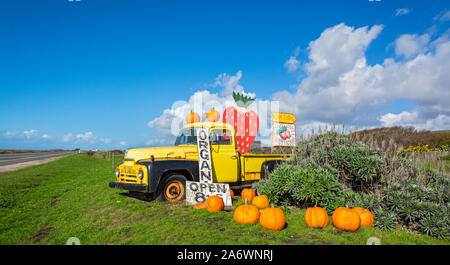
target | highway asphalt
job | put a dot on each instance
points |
(10, 159)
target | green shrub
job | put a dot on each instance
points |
(331, 170)
(356, 163)
(302, 187)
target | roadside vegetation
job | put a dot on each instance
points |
(70, 197)
(332, 169)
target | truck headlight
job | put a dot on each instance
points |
(140, 174)
(117, 173)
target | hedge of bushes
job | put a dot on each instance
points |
(333, 169)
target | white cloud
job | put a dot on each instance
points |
(171, 120)
(408, 45)
(342, 87)
(229, 83)
(292, 64)
(27, 134)
(413, 119)
(68, 137)
(30, 133)
(404, 118)
(87, 137)
(402, 11)
(443, 16)
(34, 139)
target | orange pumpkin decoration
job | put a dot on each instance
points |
(316, 217)
(213, 115)
(248, 194)
(272, 218)
(261, 201)
(192, 117)
(214, 204)
(232, 194)
(365, 215)
(346, 219)
(200, 205)
(246, 214)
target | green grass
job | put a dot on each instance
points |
(70, 197)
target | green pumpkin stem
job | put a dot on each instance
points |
(241, 100)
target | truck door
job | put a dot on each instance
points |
(225, 159)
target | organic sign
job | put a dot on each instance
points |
(204, 158)
(200, 191)
(283, 130)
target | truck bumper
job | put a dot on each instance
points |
(128, 186)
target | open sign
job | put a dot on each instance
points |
(198, 192)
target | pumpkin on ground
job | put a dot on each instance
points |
(272, 218)
(192, 117)
(365, 215)
(232, 194)
(345, 218)
(214, 204)
(261, 201)
(246, 214)
(316, 217)
(200, 205)
(213, 115)
(248, 194)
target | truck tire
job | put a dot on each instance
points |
(172, 188)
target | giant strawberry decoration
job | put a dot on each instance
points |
(244, 121)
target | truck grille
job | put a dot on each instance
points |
(128, 174)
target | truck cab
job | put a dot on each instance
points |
(163, 171)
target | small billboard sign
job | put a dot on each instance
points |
(283, 130)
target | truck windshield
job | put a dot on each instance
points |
(216, 137)
(187, 136)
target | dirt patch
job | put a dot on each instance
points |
(161, 213)
(172, 205)
(339, 232)
(43, 233)
(323, 242)
(53, 203)
(215, 219)
(229, 208)
(293, 240)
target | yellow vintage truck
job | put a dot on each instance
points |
(162, 171)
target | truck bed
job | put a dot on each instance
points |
(251, 164)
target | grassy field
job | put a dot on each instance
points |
(70, 197)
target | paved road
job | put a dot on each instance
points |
(10, 159)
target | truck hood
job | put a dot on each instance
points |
(159, 153)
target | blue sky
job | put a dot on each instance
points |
(95, 74)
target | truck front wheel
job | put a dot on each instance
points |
(172, 188)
